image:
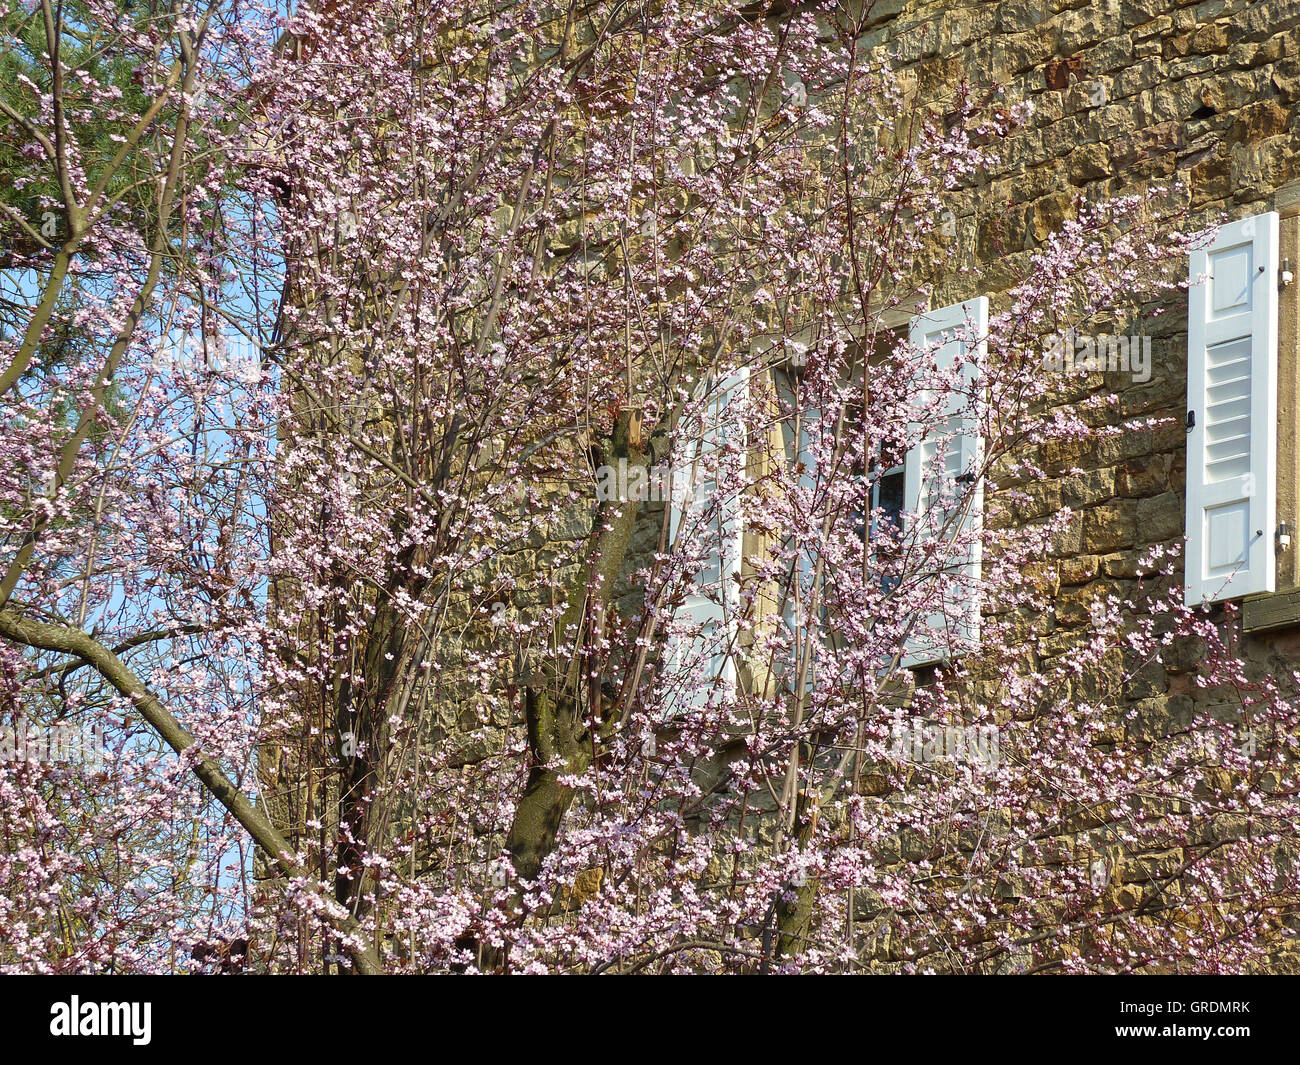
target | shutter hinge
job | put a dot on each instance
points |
(1284, 275)
(1191, 420)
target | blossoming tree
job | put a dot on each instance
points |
(367, 301)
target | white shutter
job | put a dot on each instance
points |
(955, 613)
(713, 598)
(1232, 408)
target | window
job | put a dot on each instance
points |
(887, 507)
(883, 499)
(1232, 413)
(946, 465)
(885, 477)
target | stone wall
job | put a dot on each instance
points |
(1126, 96)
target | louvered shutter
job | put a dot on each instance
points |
(703, 657)
(954, 616)
(1232, 412)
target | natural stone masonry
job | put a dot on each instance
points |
(1126, 96)
(1202, 100)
